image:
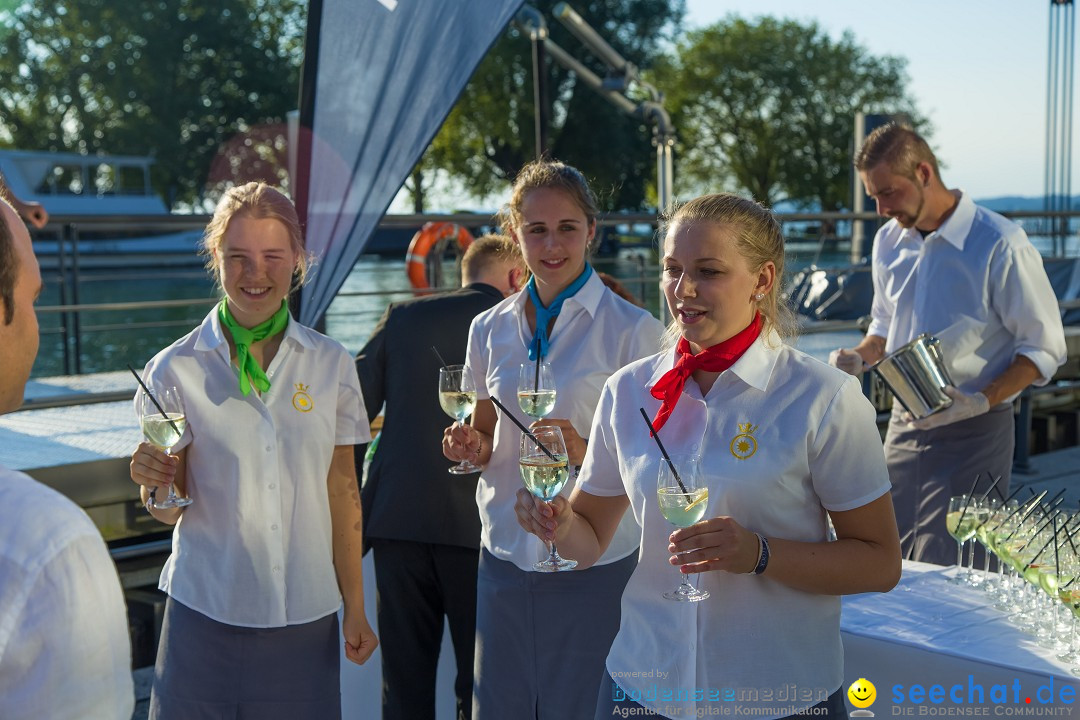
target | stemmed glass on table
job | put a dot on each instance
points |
(545, 470)
(683, 499)
(163, 430)
(960, 522)
(457, 396)
(536, 389)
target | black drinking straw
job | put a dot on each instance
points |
(1024, 517)
(1057, 564)
(523, 428)
(154, 400)
(441, 361)
(992, 488)
(1013, 494)
(971, 494)
(153, 491)
(663, 451)
(536, 378)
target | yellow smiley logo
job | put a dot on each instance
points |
(862, 693)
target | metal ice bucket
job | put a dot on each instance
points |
(916, 375)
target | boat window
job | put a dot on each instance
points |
(63, 180)
(133, 179)
(104, 179)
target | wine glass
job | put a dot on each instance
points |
(163, 431)
(544, 470)
(457, 396)
(683, 500)
(536, 389)
(961, 523)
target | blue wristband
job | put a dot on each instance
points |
(763, 561)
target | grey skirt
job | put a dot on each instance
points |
(207, 670)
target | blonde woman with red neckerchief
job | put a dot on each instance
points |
(785, 442)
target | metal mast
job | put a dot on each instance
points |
(1057, 179)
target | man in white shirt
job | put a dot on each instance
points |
(64, 648)
(945, 266)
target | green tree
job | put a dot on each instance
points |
(177, 79)
(769, 105)
(489, 134)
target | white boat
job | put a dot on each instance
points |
(101, 207)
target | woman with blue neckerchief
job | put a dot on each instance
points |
(584, 332)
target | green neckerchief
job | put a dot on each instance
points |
(244, 337)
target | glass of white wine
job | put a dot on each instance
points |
(683, 499)
(536, 389)
(544, 470)
(457, 396)
(961, 522)
(163, 430)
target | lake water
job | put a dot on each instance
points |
(109, 339)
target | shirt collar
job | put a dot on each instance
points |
(956, 227)
(211, 336)
(588, 297)
(754, 368)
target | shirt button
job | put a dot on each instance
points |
(267, 448)
(273, 527)
(272, 486)
(277, 569)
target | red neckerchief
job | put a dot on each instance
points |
(717, 358)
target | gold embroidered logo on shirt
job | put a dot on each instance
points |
(301, 400)
(744, 445)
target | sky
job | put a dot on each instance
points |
(977, 68)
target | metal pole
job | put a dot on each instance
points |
(308, 82)
(76, 321)
(540, 91)
(858, 200)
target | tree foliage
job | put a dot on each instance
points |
(177, 79)
(489, 134)
(768, 106)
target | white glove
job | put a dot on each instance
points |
(963, 406)
(849, 361)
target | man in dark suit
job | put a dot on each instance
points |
(421, 521)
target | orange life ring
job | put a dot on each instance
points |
(433, 236)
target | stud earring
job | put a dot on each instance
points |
(759, 296)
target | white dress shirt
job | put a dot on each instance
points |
(64, 647)
(595, 334)
(978, 285)
(255, 547)
(783, 438)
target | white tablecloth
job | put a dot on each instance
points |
(927, 632)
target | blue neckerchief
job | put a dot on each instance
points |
(545, 314)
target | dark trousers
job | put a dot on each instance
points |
(418, 585)
(928, 466)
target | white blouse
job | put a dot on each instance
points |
(255, 548)
(596, 333)
(783, 438)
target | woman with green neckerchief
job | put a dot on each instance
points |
(270, 547)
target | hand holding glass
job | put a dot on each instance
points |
(457, 396)
(544, 475)
(163, 431)
(536, 389)
(683, 502)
